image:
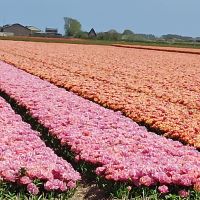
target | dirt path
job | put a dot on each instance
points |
(89, 191)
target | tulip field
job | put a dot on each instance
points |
(131, 114)
(25, 158)
(159, 89)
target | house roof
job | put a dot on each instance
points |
(33, 28)
(51, 29)
(92, 31)
(9, 25)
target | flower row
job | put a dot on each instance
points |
(25, 159)
(159, 48)
(123, 150)
(160, 89)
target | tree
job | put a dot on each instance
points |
(72, 26)
(112, 35)
(138, 37)
(177, 37)
(82, 34)
(127, 32)
(112, 31)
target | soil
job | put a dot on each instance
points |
(89, 191)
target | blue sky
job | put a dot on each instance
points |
(142, 16)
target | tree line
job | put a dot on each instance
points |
(73, 28)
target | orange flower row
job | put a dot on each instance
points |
(160, 89)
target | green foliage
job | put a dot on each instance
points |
(72, 26)
(82, 35)
(111, 35)
(125, 191)
(138, 37)
(177, 37)
(127, 32)
(11, 191)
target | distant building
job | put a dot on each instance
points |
(197, 39)
(20, 30)
(52, 32)
(92, 33)
(34, 29)
(17, 30)
(5, 34)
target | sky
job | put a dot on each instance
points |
(156, 17)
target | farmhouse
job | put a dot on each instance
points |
(5, 34)
(20, 30)
(17, 30)
(92, 33)
(34, 29)
(52, 32)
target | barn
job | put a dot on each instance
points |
(17, 30)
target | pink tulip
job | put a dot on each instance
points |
(33, 189)
(183, 193)
(163, 189)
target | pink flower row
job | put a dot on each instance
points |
(97, 135)
(24, 157)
